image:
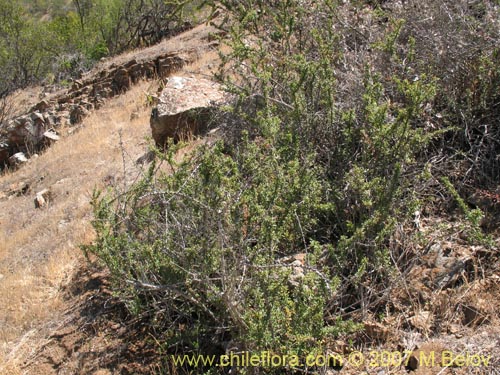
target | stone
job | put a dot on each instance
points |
(51, 135)
(184, 108)
(121, 81)
(41, 106)
(17, 159)
(169, 64)
(37, 116)
(51, 120)
(43, 198)
(77, 114)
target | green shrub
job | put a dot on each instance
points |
(206, 244)
(322, 154)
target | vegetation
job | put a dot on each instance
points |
(54, 40)
(349, 119)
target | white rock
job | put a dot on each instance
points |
(42, 198)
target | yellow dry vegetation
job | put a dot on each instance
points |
(39, 248)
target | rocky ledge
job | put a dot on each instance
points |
(38, 127)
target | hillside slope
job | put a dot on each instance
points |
(329, 221)
(39, 251)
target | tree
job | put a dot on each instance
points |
(21, 52)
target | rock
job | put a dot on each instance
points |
(77, 84)
(37, 117)
(77, 114)
(184, 108)
(42, 198)
(17, 159)
(169, 64)
(24, 131)
(41, 106)
(51, 120)
(51, 135)
(121, 81)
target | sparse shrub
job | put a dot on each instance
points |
(206, 245)
(322, 154)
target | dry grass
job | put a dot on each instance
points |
(194, 40)
(39, 249)
(21, 100)
(207, 64)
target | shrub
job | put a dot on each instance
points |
(322, 154)
(206, 245)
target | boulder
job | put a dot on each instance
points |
(184, 108)
(17, 159)
(37, 118)
(25, 131)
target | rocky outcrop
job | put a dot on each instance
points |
(37, 128)
(184, 108)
